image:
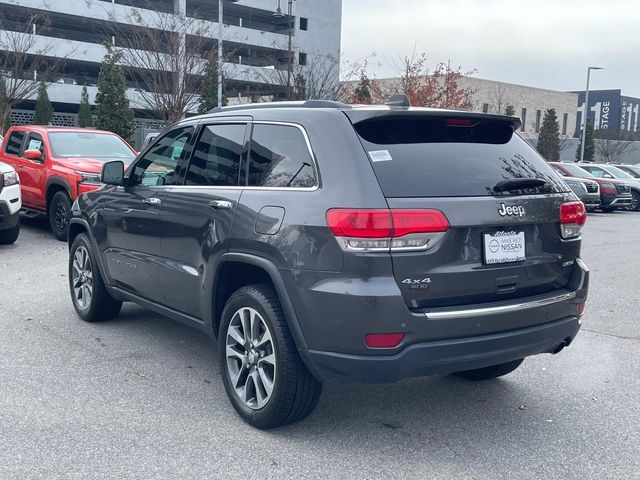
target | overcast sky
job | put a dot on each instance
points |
(541, 43)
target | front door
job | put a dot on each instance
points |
(199, 215)
(32, 173)
(133, 223)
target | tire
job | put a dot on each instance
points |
(294, 391)
(591, 209)
(85, 281)
(10, 235)
(493, 371)
(635, 203)
(59, 213)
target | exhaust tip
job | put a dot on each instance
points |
(565, 343)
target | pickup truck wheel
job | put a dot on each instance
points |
(263, 375)
(59, 212)
(10, 235)
(90, 297)
(493, 371)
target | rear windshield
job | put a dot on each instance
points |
(439, 157)
(99, 146)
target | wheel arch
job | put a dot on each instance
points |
(236, 270)
(55, 185)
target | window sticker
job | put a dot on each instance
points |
(34, 144)
(380, 156)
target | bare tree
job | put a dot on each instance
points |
(25, 59)
(611, 148)
(498, 98)
(167, 56)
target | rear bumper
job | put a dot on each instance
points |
(450, 339)
(445, 356)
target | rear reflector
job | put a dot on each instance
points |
(581, 309)
(573, 216)
(384, 340)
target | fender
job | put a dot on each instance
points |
(94, 245)
(61, 182)
(278, 282)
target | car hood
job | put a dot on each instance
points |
(5, 168)
(88, 165)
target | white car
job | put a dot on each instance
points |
(10, 204)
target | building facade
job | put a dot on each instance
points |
(255, 40)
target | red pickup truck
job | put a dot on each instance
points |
(56, 164)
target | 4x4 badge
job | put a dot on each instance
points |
(511, 211)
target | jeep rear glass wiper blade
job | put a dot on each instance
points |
(518, 184)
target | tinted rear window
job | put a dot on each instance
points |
(427, 157)
(14, 143)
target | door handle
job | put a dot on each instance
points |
(153, 201)
(220, 204)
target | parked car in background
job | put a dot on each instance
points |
(633, 170)
(323, 242)
(606, 171)
(588, 191)
(614, 193)
(10, 204)
(56, 164)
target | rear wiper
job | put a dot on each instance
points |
(518, 184)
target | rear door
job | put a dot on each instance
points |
(198, 216)
(500, 198)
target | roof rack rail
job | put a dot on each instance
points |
(303, 104)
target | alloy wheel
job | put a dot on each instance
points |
(251, 358)
(82, 278)
(60, 216)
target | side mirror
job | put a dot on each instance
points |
(112, 173)
(33, 155)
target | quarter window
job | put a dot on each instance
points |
(14, 143)
(280, 157)
(158, 166)
(216, 158)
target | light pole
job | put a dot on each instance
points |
(220, 53)
(585, 117)
(279, 14)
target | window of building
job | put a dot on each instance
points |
(523, 117)
(280, 158)
(302, 58)
(538, 117)
(485, 108)
(216, 158)
(14, 143)
(304, 23)
(565, 121)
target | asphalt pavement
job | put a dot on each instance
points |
(141, 396)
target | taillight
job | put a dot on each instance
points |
(385, 230)
(573, 216)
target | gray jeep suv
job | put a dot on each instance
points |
(323, 242)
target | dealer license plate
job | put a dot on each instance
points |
(504, 247)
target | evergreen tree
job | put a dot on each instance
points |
(44, 109)
(549, 138)
(362, 93)
(300, 88)
(112, 106)
(510, 110)
(589, 145)
(85, 119)
(209, 97)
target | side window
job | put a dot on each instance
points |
(14, 143)
(216, 158)
(280, 158)
(598, 172)
(158, 166)
(34, 142)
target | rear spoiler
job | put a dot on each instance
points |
(395, 110)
